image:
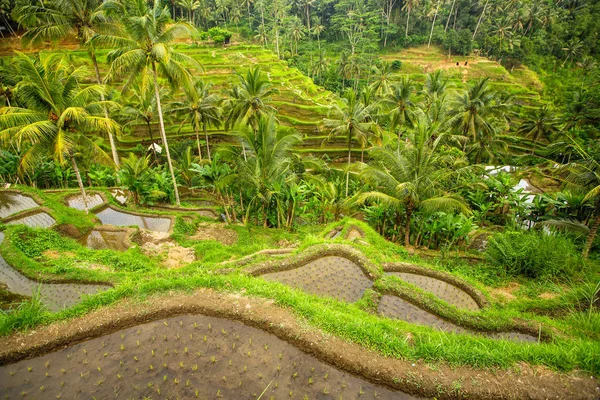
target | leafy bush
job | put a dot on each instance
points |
(219, 35)
(533, 254)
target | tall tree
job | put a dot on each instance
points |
(408, 6)
(54, 114)
(201, 109)
(351, 119)
(249, 100)
(401, 105)
(60, 19)
(146, 47)
(540, 124)
(409, 179)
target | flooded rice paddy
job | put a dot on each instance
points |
(110, 216)
(93, 200)
(12, 203)
(38, 220)
(330, 276)
(185, 357)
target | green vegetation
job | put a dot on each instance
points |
(458, 137)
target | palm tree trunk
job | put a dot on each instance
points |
(163, 134)
(479, 21)
(433, 23)
(449, 15)
(207, 146)
(409, 210)
(349, 155)
(111, 139)
(198, 142)
(80, 183)
(591, 236)
(152, 140)
(407, 19)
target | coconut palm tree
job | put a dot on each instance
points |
(140, 108)
(382, 83)
(249, 101)
(59, 19)
(401, 106)
(55, 112)
(351, 119)
(540, 124)
(408, 179)
(268, 163)
(585, 174)
(409, 5)
(145, 47)
(472, 113)
(201, 109)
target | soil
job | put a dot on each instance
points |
(187, 357)
(548, 296)
(354, 234)
(505, 294)
(158, 244)
(69, 230)
(443, 381)
(330, 276)
(207, 231)
(444, 290)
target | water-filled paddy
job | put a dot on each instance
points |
(330, 276)
(395, 307)
(37, 220)
(54, 295)
(12, 203)
(444, 290)
(110, 216)
(93, 200)
(185, 357)
(100, 239)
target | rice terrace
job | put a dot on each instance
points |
(311, 199)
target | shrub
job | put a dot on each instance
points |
(533, 254)
(219, 35)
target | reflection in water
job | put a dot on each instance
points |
(12, 203)
(102, 239)
(54, 295)
(77, 202)
(37, 220)
(110, 216)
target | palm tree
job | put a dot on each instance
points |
(351, 119)
(249, 101)
(401, 105)
(201, 109)
(268, 162)
(471, 113)
(585, 174)
(434, 94)
(190, 6)
(140, 107)
(59, 19)
(409, 179)
(540, 124)
(409, 5)
(572, 50)
(55, 113)
(146, 47)
(382, 83)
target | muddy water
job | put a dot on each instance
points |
(37, 220)
(77, 202)
(330, 276)
(184, 357)
(110, 216)
(445, 291)
(54, 295)
(101, 240)
(395, 307)
(11, 203)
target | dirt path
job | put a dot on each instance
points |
(443, 381)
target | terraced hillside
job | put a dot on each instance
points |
(520, 82)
